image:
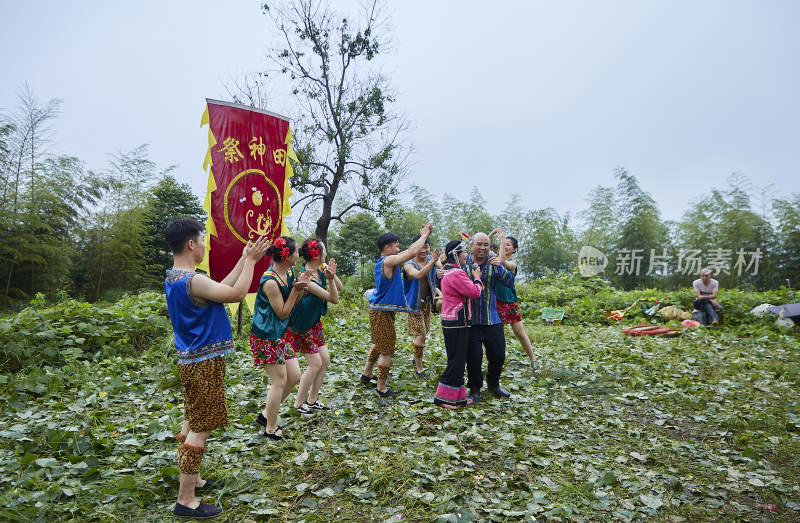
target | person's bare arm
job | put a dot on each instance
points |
(396, 259)
(330, 295)
(284, 308)
(205, 288)
(232, 276)
(423, 271)
(701, 296)
(510, 265)
(501, 242)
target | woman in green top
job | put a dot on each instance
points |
(305, 333)
(278, 292)
(507, 307)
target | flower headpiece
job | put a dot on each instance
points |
(280, 243)
(313, 249)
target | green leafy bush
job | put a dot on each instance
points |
(78, 330)
(587, 299)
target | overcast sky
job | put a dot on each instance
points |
(543, 99)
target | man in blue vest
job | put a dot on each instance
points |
(420, 282)
(203, 336)
(387, 299)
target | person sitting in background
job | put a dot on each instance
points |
(705, 291)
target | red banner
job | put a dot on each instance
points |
(248, 165)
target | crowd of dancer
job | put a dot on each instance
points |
(474, 290)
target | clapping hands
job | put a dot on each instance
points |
(330, 270)
(255, 250)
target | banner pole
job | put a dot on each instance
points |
(239, 319)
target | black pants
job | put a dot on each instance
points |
(494, 339)
(709, 313)
(456, 342)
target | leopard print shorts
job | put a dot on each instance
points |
(420, 324)
(381, 326)
(204, 404)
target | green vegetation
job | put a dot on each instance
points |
(703, 426)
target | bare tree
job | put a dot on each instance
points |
(347, 137)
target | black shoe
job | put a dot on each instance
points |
(475, 397)
(317, 405)
(274, 435)
(366, 380)
(422, 375)
(210, 484)
(261, 420)
(305, 409)
(499, 392)
(388, 394)
(203, 511)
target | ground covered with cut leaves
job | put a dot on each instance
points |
(699, 427)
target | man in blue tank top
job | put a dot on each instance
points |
(387, 299)
(203, 336)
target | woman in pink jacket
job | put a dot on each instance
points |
(457, 289)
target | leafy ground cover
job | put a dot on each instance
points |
(699, 427)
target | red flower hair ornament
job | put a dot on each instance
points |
(313, 249)
(280, 243)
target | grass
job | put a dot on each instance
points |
(700, 427)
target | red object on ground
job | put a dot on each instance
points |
(644, 329)
(690, 323)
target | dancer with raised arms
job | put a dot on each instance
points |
(507, 306)
(203, 336)
(305, 333)
(278, 291)
(387, 299)
(420, 282)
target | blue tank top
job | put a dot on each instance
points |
(388, 294)
(202, 331)
(266, 323)
(411, 286)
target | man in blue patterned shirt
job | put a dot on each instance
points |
(486, 328)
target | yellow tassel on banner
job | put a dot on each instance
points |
(289, 172)
(211, 229)
(250, 300)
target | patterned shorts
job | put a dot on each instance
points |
(508, 311)
(381, 326)
(270, 352)
(420, 324)
(204, 405)
(307, 342)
